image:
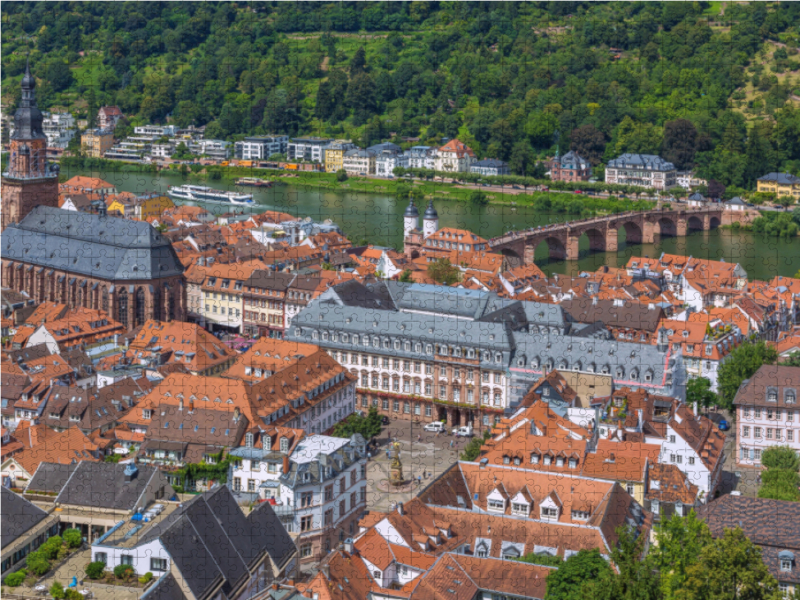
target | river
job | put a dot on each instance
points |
(378, 219)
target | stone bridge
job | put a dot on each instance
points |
(640, 228)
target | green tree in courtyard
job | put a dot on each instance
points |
(443, 272)
(742, 364)
(698, 390)
(730, 567)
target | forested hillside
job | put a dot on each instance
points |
(708, 84)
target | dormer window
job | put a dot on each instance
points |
(772, 395)
(496, 505)
(790, 396)
(520, 508)
(535, 458)
(580, 515)
(549, 513)
(284, 445)
(248, 440)
(266, 442)
(786, 558)
(548, 459)
(573, 463)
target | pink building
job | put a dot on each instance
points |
(767, 413)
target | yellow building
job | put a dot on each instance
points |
(97, 142)
(334, 154)
(222, 291)
(152, 205)
(780, 184)
(140, 207)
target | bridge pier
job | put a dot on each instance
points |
(681, 227)
(529, 254)
(648, 232)
(612, 240)
(573, 243)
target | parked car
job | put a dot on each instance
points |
(577, 192)
(465, 431)
(435, 426)
(723, 425)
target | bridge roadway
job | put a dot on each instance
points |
(640, 228)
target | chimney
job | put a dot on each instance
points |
(191, 405)
(348, 545)
(130, 472)
(180, 404)
(285, 463)
(400, 508)
(235, 414)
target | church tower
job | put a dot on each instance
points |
(29, 180)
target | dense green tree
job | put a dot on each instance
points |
(359, 63)
(579, 577)
(637, 137)
(368, 426)
(680, 143)
(730, 567)
(698, 391)
(443, 272)
(742, 364)
(589, 142)
(780, 481)
(677, 548)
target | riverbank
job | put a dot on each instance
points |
(425, 190)
(377, 219)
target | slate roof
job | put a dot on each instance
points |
(103, 485)
(781, 178)
(165, 588)
(18, 515)
(90, 245)
(772, 524)
(574, 160)
(631, 315)
(50, 477)
(209, 538)
(489, 163)
(650, 162)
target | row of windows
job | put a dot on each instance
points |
(770, 413)
(408, 366)
(407, 346)
(416, 388)
(771, 433)
(619, 371)
(417, 407)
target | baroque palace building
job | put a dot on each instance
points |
(426, 352)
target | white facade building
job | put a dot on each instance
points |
(320, 489)
(156, 130)
(309, 149)
(261, 147)
(59, 129)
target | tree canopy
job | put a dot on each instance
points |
(514, 80)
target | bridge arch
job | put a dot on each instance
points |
(597, 239)
(695, 223)
(555, 247)
(667, 227)
(513, 259)
(632, 231)
(714, 222)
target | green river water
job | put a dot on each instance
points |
(378, 219)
